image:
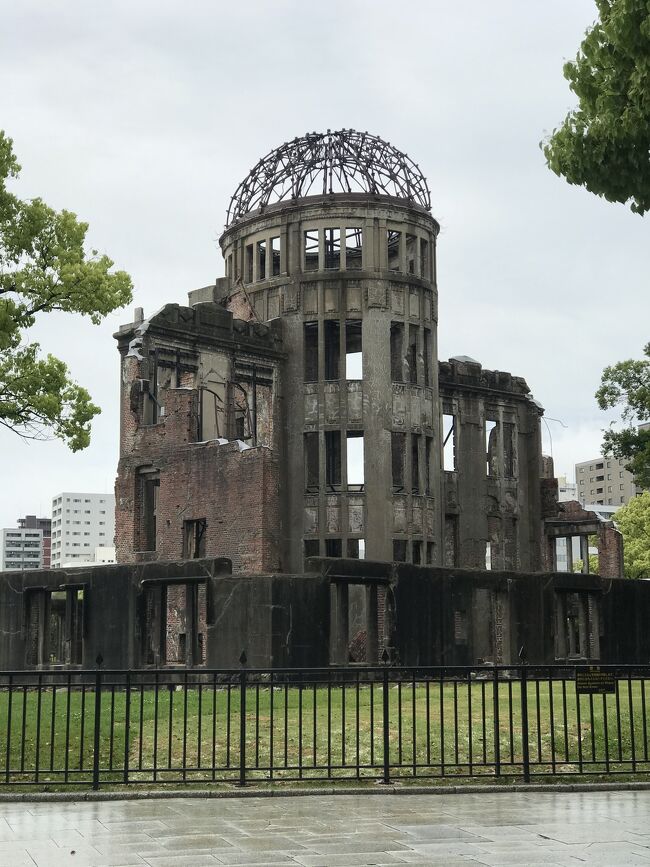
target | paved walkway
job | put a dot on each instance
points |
(505, 828)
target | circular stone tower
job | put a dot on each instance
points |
(333, 233)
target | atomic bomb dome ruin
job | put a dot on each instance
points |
(302, 477)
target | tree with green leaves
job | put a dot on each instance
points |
(633, 520)
(626, 384)
(44, 267)
(604, 144)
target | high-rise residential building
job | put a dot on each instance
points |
(81, 522)
(604, 481)
(26, 546)
(31, 522)
(21, 549)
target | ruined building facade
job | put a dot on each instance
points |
(296, 408)
(301, 479)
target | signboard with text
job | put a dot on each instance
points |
(595, 681)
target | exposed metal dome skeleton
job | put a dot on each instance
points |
(345, 161)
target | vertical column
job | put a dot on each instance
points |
(569, 553)
(372, 637)
(321, 249)
(284, 250)
(584, 554)
(294, 255)
(342, 623)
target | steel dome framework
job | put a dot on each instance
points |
(344, 161)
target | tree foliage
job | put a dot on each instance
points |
(44, 267)
(604, 144)
(627, 385)
(633, 520)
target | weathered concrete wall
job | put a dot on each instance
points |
(493, 491)
(395, 395)
(419, 615)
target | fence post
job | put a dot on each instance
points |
(242, 720)
(386, 720)
(495, 713)
(127, 726)
(524, 723)
(98, 721)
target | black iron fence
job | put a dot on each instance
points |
(383, 723)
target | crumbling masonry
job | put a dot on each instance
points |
(301, 478)
(297, 408)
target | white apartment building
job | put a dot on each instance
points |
(81, 522)
(566, 490)
(604, 481)
(102, 555)
(22, 548)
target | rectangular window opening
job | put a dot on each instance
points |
(275, 257)
(194, 538)
(428, 465)
(393, 239)
(332, 249)
(173, 623)
(399, 550)
(311, 351)
(332, 348)
(333, 548)
(488, 555)
(428, 356)
(429, 553)
(491, 450)
(261, 260)
(356, 549)
(150, 489)
(424, 259)
(312, 461)
(416, 548)
(396, 352)
(54, 626)
(333, 459)
(353, 352)
(354, 460)
(353, 249)
(398, 448)
(449, 442)
(311, 250)
(311, 548)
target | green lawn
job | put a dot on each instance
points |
(442, 730)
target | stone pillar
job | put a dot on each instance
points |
(342, 623)
(372, 638)
(584, 553)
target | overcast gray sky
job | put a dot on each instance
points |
(143, 117)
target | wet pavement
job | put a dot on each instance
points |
(506, 828)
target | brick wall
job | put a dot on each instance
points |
(610, 552)
(235, 491)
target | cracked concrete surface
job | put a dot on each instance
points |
(561, 828)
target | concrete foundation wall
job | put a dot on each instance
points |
(342, 610)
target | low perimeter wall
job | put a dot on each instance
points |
(196, 612)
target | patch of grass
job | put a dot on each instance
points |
(436, 730)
